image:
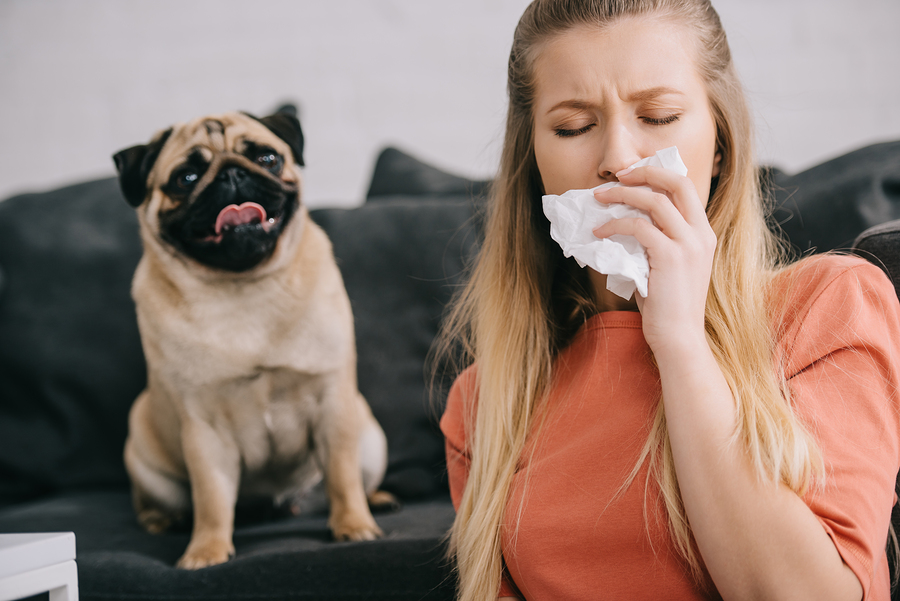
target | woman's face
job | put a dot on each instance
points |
(605, 99)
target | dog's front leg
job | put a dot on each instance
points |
(213, 464)
(350, 518)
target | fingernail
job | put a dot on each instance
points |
(601, 190)
(624, 171)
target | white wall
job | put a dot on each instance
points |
(823, 75)
(80, 80)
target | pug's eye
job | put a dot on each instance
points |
(270, 160)
(186, 178)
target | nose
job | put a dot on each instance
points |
(232, 175)
(230, 184)
(619, 150)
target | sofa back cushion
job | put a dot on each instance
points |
(402, 258)
(400, 174)
(826, 206)
(70, 354)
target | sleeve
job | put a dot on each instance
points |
(453, 425)
(842, 372)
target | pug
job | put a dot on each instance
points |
(248, 335)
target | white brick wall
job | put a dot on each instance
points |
(80, 80)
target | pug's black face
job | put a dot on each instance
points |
(223, 191)
(229, 214)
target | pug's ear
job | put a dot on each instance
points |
(284, 124)
(134, 165)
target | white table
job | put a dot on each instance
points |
(37, 563)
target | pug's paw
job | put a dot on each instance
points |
(155, 521)
(356, 528)
(383, 501)
(205, 553)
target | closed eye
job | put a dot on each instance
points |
(568, 133)
(662, 120)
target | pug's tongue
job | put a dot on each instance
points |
(232, 215)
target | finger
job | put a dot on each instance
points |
(659, 206)
(640, 299)
(645, 232)
(665, 181)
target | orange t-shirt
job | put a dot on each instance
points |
(575, 535)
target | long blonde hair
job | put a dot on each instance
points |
(524, 300)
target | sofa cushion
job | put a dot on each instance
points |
(827, 206)
(71, 362)
(276, 559)
(402, 258)
(399, 174)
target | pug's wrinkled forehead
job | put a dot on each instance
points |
(203, 140)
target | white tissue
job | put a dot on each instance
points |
(574, 215)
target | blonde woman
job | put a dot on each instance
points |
(736, 432)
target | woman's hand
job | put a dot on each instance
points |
(680, 246)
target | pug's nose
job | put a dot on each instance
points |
(231, 175)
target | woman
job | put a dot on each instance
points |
(735, 432)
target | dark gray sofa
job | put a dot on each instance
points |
(71, 364)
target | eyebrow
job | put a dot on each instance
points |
(639, 96)
(651, 93)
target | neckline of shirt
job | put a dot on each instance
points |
(613, 319)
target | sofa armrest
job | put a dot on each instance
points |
(880, 245)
